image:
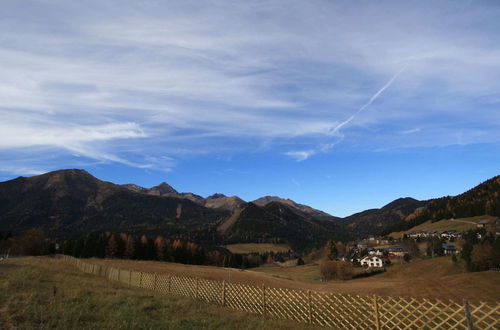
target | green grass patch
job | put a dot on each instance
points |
(257, 247)
(461, 224)
(47, 293)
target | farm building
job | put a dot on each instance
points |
(372, 261)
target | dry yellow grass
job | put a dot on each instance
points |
(47, 293)
(431, 278)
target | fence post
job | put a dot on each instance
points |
(118, 274)
(129, 278)
(224, 293)
(197, 288)
(375, 310)
(263, 299)
(467, 314)
(154, 286)
(140, 281)
(309, 303)
(169, 283)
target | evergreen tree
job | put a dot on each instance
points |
(112, 247)
(130, 248)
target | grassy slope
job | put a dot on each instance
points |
(430, 278)
(257, 247)
(443, 225)
(48, 293)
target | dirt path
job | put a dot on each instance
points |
(463, 221)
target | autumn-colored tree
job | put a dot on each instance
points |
(130, 248)
(341, 250)
(482, 256)
(161, 248)
(331, 269)
(331, 252)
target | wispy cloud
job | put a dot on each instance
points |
(171, 79)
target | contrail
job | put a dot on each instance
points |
(373, 98)
(304, 154)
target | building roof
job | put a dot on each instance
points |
(449, 246)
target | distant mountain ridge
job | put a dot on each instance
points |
(72, 203)
(215, 201)
(376, 221)
(69, 203)
(263, 201)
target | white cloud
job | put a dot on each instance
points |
(172, 78)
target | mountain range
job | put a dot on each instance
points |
(71, 203)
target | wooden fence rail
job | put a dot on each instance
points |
(341, 311)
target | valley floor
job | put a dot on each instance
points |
(430, 278)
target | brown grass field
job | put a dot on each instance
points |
(430, 278)
(47, 293)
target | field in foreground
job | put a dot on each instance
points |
(49, 293)
(431, 278)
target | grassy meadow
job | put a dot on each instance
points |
(461, 224)
(43, 293)
(257, 247)
(422, 278)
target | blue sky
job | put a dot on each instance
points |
(340, 105)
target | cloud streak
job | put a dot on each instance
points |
(336, 128)
(177, 79)
(305, 154)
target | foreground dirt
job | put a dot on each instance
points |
(435, 278)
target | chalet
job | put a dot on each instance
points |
(418, 234)
(449, 249)
(450, 235)
(288, 263)
(483, 223)
(372, 261)
(396, 251)
(376, 252)
(362, 245)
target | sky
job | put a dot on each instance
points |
(341, 105)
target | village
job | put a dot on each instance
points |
(378, 252)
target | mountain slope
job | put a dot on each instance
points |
(278, 223)
(69, 203)
(376, 221)
(309, 211)
(484, 199)
(72, 203)
(221, 201)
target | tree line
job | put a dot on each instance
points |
(135, 247)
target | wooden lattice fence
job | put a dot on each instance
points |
(340, 311)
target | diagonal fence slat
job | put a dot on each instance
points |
(339, 311)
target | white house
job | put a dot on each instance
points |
(372, 261)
